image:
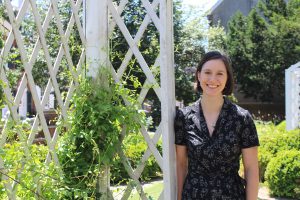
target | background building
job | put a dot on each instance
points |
(223, 10)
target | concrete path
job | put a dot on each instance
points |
(263, 194)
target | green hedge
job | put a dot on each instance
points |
(283, 174)
(274, 140)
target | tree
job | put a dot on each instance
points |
(271, 7)
(189, 45)
(262, 45)
(216, 38)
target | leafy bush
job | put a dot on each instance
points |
(134, 148)
(283, 174)
(274, 139)
(264, 158)
(34, 171)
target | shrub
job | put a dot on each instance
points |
(35, 170)
(274, 139)
(264, 158)
(283, 174)
(279, 141)
(134, 148)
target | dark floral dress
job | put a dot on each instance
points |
(213, 162)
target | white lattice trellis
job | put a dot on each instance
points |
(100, 19)
(292, 96)
(15, 36)
(164, 59)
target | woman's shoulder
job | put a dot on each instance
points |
(186, 110)
(239, 111)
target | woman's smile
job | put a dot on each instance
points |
(213, 77)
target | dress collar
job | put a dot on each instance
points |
(195, 108)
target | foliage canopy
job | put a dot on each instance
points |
(262, 45)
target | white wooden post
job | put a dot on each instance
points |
(23, 105)
(168, 97)
(96, 35)
(292, 96)
(5, 112)
(104, 176)
(288, 111)
(96, 25)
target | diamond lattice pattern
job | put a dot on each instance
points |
(36, 93)
(54, 60)
(135, 54)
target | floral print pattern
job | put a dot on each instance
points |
(213, 161)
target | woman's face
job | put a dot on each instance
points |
(213, 77)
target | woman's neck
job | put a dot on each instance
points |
(211, 104)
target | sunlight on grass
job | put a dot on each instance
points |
(152, 191)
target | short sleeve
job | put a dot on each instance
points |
(179, 128)
(249, 133)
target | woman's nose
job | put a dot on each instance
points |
(213, 77)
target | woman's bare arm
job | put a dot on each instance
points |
(181, 168)
(250, 161)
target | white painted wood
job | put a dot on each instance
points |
(92, 35)
(147, 85)
(27, 79)
(63, 39)
(292, 96)
(168, 97)
(47, 54)
(104, 178)
(33, 57)
(120, 9)
(132, 44)
(7, 90)
(56, 66)
(23, 105)
(75, 16)
(139, 169)
(167, 49)
(152, 14)
(137, 39)
(103, 21)
(130, 172)
(10, 188)
(96, 29)
(5, 112)
(31, 83)
(97, 56)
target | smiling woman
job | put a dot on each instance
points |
(210, 137)
(213, 77)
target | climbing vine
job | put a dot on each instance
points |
(97, 116)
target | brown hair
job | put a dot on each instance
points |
(216, 55)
